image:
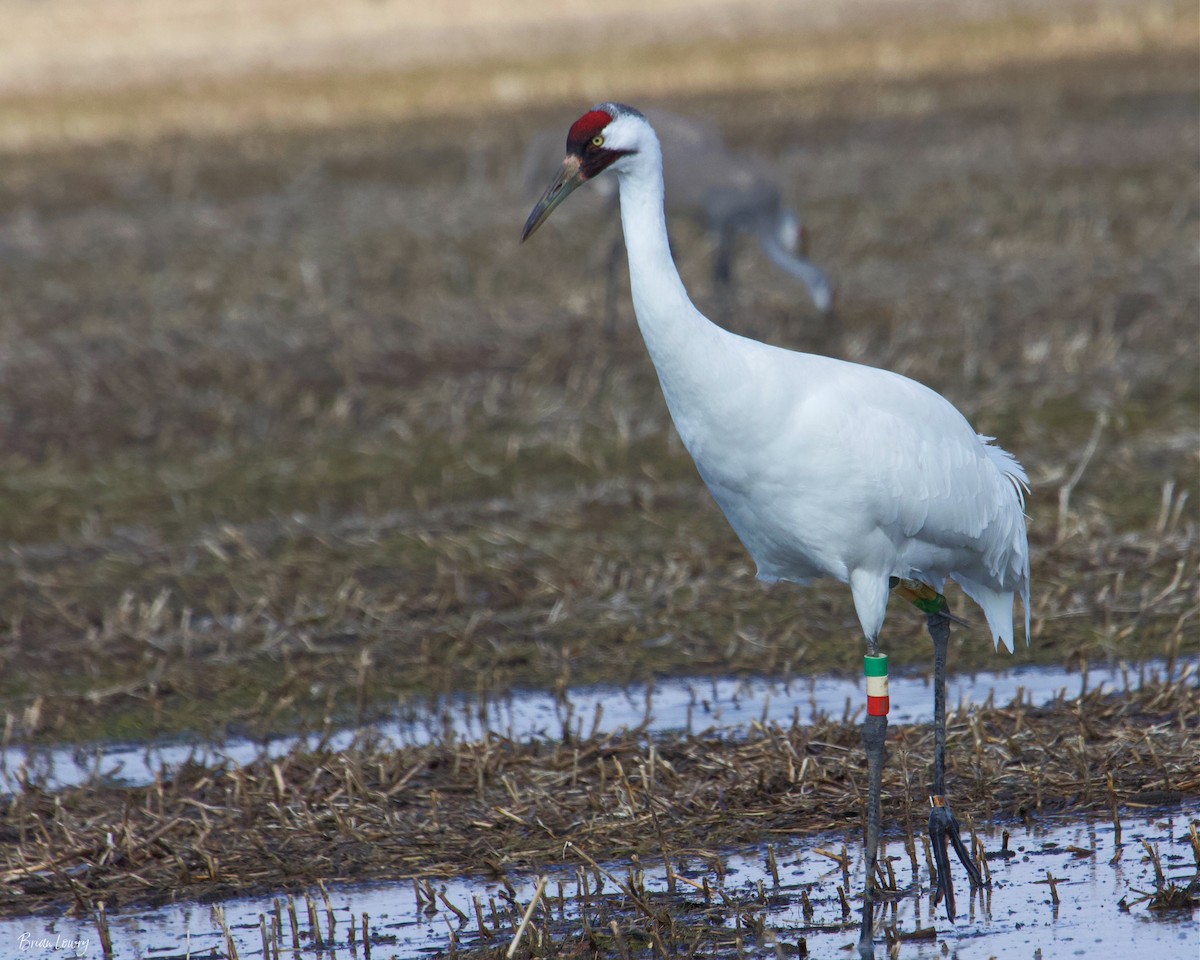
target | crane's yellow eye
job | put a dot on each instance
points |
(598, 140)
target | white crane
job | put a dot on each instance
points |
(727, 192)
(822, 467)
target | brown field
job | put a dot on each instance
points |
(294, 430)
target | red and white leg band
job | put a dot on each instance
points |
(876, 669)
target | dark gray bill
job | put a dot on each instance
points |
(569, 177)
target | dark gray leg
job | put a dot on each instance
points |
(723, 258)
(943, 828)
(610, 285)
(874, 734)
(723, 288)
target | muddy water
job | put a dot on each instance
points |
(1097, 883)
(678, 704)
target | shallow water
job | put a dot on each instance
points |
(1017, 918)
(677, 704)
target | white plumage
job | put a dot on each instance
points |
(831, 468)
(823, 467)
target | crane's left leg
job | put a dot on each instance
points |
(943, 828)
(611, 308)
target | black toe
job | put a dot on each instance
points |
(944, 831)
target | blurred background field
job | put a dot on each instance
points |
(294, 433)
(292, 426)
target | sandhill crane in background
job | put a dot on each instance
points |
(728, 193)
(822, 467)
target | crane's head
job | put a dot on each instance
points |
(598, 139)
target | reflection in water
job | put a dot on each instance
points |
(676, 704)
(1015, 919)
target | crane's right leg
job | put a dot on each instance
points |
(874, 734)
(870, 594)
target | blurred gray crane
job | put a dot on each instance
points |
(727, 192)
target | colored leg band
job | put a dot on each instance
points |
(922, 596)
(931, 605)
(875, 667)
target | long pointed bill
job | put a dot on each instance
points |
(569, 177)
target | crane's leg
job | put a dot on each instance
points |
(722, 271)
(874, 735)
(611, 309)
(723, 258)
(943, 828)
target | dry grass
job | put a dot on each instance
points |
(72, 73)
(497, 806)
(277, 407)
(293, 431)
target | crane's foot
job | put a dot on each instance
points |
(943, 831)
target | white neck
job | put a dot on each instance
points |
(680, 339)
